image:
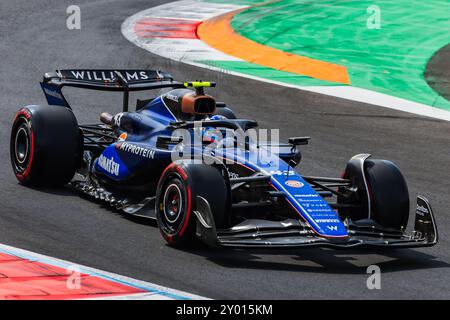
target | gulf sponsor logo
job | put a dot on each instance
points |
(294, 183)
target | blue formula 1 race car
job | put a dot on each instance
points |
(187, 161)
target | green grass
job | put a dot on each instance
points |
(390, 60)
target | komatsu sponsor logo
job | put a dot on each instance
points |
(109, 165)
(108, 75)
(137, 150)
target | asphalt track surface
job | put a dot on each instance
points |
(56, 222)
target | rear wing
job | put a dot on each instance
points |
(105, 80)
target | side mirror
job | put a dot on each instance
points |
(297, 141)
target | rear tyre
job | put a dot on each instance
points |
(176, 195)
(45, 145)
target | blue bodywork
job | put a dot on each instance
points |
(125, 156)
(138, 155)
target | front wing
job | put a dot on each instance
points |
(297, 234)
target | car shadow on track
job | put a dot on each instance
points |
(57, 191)
(69, 191)
(322, 260)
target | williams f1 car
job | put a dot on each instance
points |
(146, 162)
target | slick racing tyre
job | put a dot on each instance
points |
(45, 145)
(176, 195)
(389, 196)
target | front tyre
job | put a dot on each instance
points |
(177, 191)
(45, 145)
(389, 194)
(381, 184)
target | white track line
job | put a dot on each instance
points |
(184, 50)
(190, 51)
(154, 291)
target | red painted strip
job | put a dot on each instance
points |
(6, 257)
(174, 35)
(159, 27)
(26, 268)
(166, 28)
(63, 297)
(25, 279)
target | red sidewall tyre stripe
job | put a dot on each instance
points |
(188, 212)
(26, 113)
(176, 168)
